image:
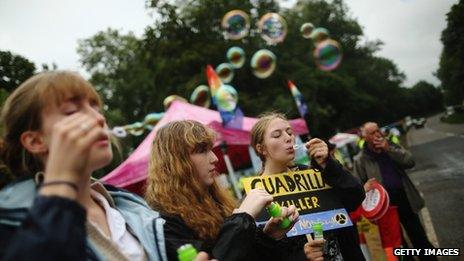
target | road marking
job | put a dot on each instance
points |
(449, 134)
(428, 225)
(454, 159)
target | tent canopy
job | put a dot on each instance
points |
(341, 139)
(132, 173)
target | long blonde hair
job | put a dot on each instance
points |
(173, 184)
(23, 111)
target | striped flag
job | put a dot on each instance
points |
(214, 81)
(300, 102)
(230, 118)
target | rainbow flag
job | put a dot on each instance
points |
(300, 102)
(230, 119)
(214, 81)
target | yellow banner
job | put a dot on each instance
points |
(287, 183)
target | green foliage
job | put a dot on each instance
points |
(14, 69)
(135, 75)
(424, 96)
(451, 70)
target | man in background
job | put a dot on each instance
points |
(386, 162)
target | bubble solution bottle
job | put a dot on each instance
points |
(318, 231)
(186, 253)
(274, 210)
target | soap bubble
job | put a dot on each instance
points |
(328, 55)
(168, 100)
(306, 29)
(201, 96)
(236, 57)
(319, 34)
(273, 28)
(225, 72)
(226, 98)
(263, 63)
(236, 24)
(136, 129)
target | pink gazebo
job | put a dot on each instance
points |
(131, 174)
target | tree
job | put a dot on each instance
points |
(14, 69)
(424, 97)
(451, 69)
(135, 75)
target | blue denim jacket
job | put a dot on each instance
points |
(18, 199)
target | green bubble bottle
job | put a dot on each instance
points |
(274, 210)
(318, 231)
(186, 253)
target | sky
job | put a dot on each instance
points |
(47, 31)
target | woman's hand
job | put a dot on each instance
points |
(203, 256)
(314, 250)
(369, 183)
(272, 228)
(318, 151)
(69, 149)
(254, 202)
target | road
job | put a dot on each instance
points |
(439, 175)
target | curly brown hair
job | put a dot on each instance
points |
(173, 183)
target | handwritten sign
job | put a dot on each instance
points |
(315, 200)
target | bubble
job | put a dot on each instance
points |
(306, 29)
(226, 98)
(273, 28)
(152, 119)
(119, 132)
(236, 24)
(319, 34)
(328, 55)
(225, 72)
(136, 129)
(236, 57)
(263, 63)
(168, 100)
(201, 96)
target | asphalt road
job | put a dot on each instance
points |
(438, 150)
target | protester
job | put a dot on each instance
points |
(272, 138)
(55, 136)
(386, 162)
(197, 211)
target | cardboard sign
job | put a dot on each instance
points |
(373, 240)
(315, 200)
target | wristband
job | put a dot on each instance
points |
(60, 182)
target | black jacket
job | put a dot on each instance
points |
(52, 230)
(351, 194)
(238, 239)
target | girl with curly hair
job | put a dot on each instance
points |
(181, 186)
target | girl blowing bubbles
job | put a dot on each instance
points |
(181, 186)
(55, 136)
(272, 138)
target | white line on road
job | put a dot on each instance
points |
(449, 134)
(428, 225)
